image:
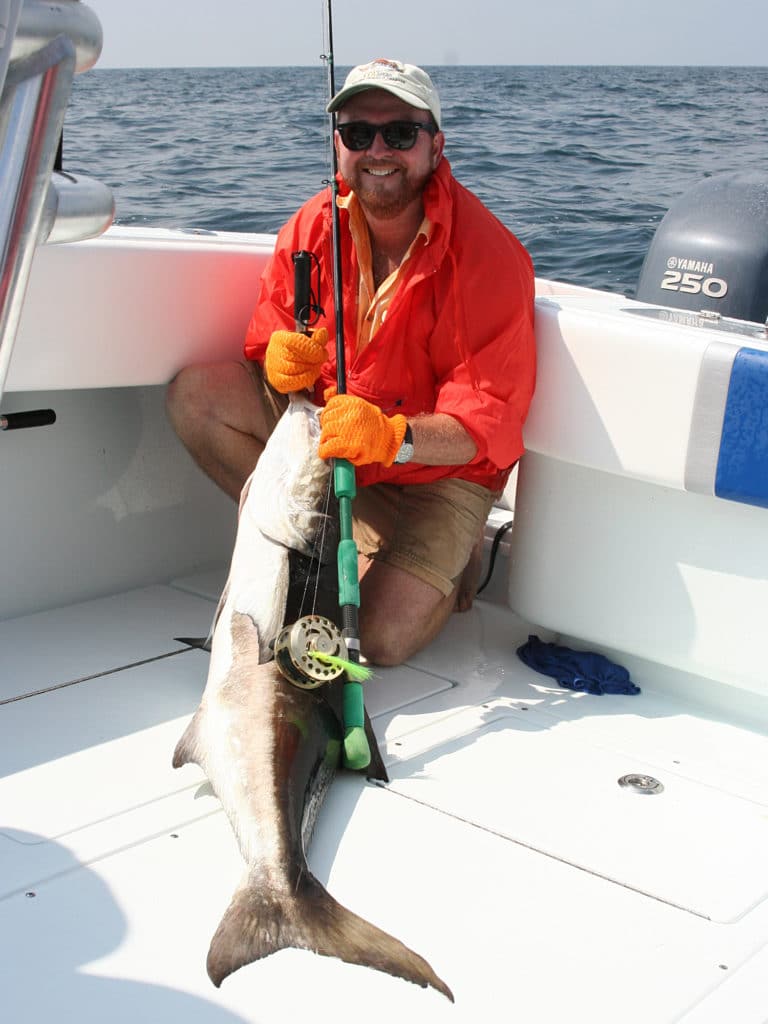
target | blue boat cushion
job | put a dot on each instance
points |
(742, 466)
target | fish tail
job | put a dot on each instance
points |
(260, 922)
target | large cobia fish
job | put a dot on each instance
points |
(269, 748)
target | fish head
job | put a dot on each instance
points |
(288, 495)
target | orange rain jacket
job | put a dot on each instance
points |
(458, 334)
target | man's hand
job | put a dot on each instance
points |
(293, 361)
(358, 431)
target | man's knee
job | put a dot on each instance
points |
(187, 394)
(200, 395)
(399, 614)
(393, 642)
(385, 648)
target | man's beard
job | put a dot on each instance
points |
(386, 203)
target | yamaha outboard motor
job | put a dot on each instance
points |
(710, 251)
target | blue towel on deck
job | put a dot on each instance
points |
(576, 670)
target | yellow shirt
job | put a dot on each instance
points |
(372, 303)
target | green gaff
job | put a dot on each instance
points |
(356, 752)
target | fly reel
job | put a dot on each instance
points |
(296, 644)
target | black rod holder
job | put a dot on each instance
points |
(22, 420)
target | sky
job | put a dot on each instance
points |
(239, 33)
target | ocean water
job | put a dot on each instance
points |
(580, 162)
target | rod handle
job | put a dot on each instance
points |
(302, 290)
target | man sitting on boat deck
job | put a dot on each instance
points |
(440, 358)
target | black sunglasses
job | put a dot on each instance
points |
(359, 135)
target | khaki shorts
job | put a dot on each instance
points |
(428, 530)
(272, 402)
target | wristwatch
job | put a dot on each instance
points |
(405, 451)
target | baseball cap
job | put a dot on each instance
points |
(406, 81)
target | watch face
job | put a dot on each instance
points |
(405, 454)
(405, 451)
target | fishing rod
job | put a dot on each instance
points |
(313, 651)
(357, 753)
(338, 300)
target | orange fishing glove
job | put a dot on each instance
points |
(354, 429)
(293, 361)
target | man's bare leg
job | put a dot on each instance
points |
(218, 413)
(399, 613)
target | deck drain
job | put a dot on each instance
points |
(645, 784)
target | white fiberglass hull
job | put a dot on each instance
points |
(504, 848)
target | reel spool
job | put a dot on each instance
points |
(294, 644)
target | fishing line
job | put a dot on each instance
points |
(325, 56)
(316, 555)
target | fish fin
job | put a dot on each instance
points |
(376, 769)
(260, 921)
(199, 643)
(244, 492)
(217, 614)
(205, 643)
(187, 747)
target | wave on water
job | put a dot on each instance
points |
(581, 163)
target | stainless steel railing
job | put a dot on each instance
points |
(42, 46)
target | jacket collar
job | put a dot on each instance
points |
(438, 203)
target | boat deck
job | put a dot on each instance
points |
(503, 850)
